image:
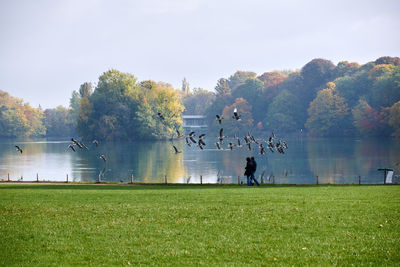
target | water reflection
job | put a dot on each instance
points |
(334, 160)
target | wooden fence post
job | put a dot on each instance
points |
(8, 177)
(165, 179)
(131, 178)
(359, 179)
(67, 178)
(317, 180)
(238, 180)
(37, 177)
(99, 179)
(201, 179)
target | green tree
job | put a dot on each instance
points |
(280, 118)
(58, 122)
(328, 113)
(239, 78)
(222, 88)
(74, 103)
(251, 91)
(197, 102)
(185, 86)
(122, 109)
(385, 89)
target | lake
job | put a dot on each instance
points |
(333, 160)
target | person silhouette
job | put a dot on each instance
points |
(248, 170)
(253, 170)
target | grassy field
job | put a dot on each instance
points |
(120, 225)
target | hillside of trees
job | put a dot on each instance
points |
(320, 99)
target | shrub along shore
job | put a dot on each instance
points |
(64, 224)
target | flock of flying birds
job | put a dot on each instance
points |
(272, 144)
(75, 143)
(81, 145)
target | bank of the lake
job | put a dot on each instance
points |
(190, 225)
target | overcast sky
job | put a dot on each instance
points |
(49, 48)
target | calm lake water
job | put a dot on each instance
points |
(335, 161)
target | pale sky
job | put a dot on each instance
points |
(48, 48)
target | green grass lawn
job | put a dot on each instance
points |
(199, 225)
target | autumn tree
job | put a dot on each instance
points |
(394, 119)
(328, 113)
(370, 122)
(18, 119)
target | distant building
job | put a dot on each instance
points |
(194, 122)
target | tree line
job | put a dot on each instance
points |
(320, 99)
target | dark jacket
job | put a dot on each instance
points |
(249, 168)
(254, 165)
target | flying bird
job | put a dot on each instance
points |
(262, 150)
(76, 143)
(72, 147)
(249, 145)
(230, 146)
(191, 137)
(187, 141)
(84, 146)
(161, 116)
(179, 134)
(176, 150)
(19, 149)
(95, 142)
(219, 118)
(238, 141)
(103, 158)
(218, 144)
(236, 116)
(201, 141)
(221, 135)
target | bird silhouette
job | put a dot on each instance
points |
(19, 149)
(191, 137)
(201, 141)
(160, 116)
(218, 144)
(230, 146)
(236, 115)
(262, 149)
(179, 134)
(72, 147)
(187, 141)
(238, 141)
(76, 143)
(103, 158)
(219, 118)
(84, 146)
(249, 145)
(96, 142)
(221, 135)
(176, 150)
